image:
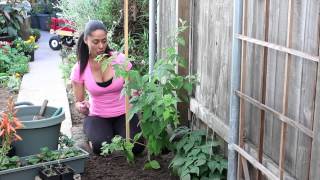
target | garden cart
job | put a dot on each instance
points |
(63, 33)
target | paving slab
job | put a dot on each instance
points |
(44, 81)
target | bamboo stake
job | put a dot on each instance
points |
(126, 52)
(285, 94)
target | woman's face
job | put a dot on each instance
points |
(97, 42)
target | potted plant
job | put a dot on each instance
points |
(37, 8)
(44, 11)
(27, 47)
(65, 171)
(49, 173)
(36, 33)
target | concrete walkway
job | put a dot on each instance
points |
(44, 81)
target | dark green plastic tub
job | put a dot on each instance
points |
(38, 133)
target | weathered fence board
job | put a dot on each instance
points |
(167, 24)
(212, 53)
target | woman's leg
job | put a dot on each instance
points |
(120, 129)
(98, 130)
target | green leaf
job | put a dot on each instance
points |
(181, 41)
(181, 143)
(137, 136)
(152, 165)
(213, 165)
(194, 152)
(195, 170)
(128, 151)
(166, 114)
(188, 87)
(189, 161)
(200, 162)
(186, 177)
(177, 161)
(188, 146)
(147, 113)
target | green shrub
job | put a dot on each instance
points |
(196, 156)
(13, 65)
(12, 62)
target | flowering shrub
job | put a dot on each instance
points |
(26, 46)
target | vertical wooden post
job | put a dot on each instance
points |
(184, 14)
(126, 52)
(315, 150)
(285, 93)
(242, 84)
(264, 84)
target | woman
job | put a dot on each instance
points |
(106, 107)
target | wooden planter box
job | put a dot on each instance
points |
(29, 172)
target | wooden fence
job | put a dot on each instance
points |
(210, 47)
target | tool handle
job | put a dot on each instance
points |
(43, 107)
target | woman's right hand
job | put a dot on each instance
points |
(83, 107)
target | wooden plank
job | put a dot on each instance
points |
(219, 51)
(277, 114)
(263, 84)
(242, 83)
(308, 87)
(254, 162)
(315, 158)
(277, 91)
(270, 143)
(168, 20)
(215, 123)
(285, 93)
(183, 51)
(294, 86)
(278, 48)
(245, 169)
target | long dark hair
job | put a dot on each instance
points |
(82, 47)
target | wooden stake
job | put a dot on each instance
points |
(126, 52)
(285, 94)
(242, 85)
(264, 84)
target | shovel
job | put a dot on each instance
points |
(41, 112)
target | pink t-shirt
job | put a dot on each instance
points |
(104, 101)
